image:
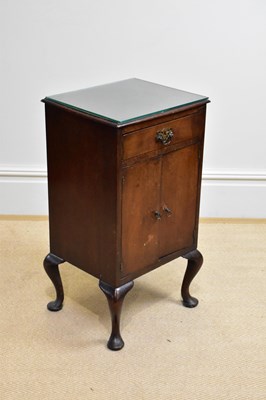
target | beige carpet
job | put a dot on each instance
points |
(215, 351)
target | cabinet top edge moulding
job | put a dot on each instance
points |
(128, 101)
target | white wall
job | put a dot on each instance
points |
(210, 47)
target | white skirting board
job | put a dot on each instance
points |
(23, 191)
(225, 194)
(233, 195)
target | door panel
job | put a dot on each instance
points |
(140, 198)
(178, 199)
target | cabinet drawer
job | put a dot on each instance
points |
(163, 135)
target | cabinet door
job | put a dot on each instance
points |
(140, 200)
(179, 199)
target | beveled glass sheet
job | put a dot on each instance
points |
(126, 100)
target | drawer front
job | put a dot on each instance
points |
(163, 135)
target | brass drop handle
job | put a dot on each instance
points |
(164, 136)
(157, 215)
(167, 210)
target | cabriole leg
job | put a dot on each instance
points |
(115, 297)
(194, 264)
(50, 264)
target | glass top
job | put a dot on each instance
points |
(126, 100)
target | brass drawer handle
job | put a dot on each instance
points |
(157, 215)
(167, 210)
(164, 136)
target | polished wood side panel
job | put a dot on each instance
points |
(82, 176)
(140, 202)
(179, 188)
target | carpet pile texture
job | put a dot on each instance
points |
(214, 351)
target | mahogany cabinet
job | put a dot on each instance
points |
(124, 176)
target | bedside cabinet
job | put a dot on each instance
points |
(124, 177)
